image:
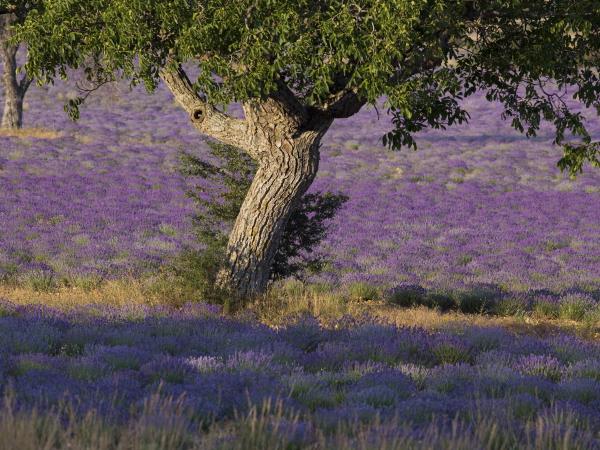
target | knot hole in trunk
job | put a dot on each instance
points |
(198, 115)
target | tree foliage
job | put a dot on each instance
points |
(18, 9)
(422, 56)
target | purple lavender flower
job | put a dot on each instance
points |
(541, 366)
(104, 198)
(582, 390)
(451, 350)
(205, 364)
(587, 368)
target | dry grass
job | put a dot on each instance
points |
(112, 293)
(36, 133)
(276, 308)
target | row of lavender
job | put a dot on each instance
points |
(476, 205)
(115, 360)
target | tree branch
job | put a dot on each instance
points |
(290, 104)
(344, 104)
(205, 117)
(24, 84)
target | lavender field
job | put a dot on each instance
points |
(478, 204)
(479, 212)
(158, 377)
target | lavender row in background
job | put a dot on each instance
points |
(477, 204)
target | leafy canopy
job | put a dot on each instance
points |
(422, 56)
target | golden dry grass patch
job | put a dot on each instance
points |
(112, 293)
(328, 308)
(278, 309)
(36, 133)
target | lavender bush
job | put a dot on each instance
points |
(176, 371)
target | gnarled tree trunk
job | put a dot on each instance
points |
(14, 90)
(287, 164)
(283, 135)
(13, 97)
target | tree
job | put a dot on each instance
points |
(232, 171)
(296, 66)
(12, 12)
(221, 181)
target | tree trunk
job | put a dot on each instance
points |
(13, 97)
(14, 91)
(283, 136)
(287, 165)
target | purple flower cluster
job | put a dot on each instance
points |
(477, 204)
(115, 360)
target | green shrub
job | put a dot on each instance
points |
(575, 307)
(592, 318)
(361, 290)
(480, 299)
(191, 275)
(219, 193)
(513, 305)
(441, 300)
(320, 288)
(40, 281)
(451, 354)
(406, 295)
(8, 273)
(546, 308)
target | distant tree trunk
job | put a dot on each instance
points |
(287, 166)
(14, 90)
(13, 96)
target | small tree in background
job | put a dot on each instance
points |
(12, 12)
(297, 66)
(219, 194)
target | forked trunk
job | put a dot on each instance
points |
(283, 136)
(286, 168)
(14, 91)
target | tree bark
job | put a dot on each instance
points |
(14, 90)
(287, 166)
(13, 97)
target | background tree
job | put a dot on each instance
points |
(12, 12)
(296, 66)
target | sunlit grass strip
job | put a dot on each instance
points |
(295, 300)
(111, 293)
(36, 133)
